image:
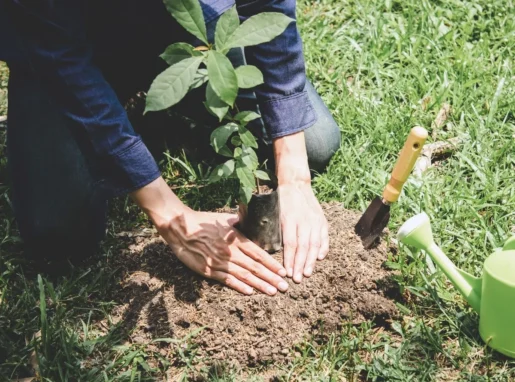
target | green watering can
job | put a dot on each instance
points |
(492, 295)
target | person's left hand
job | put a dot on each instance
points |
(304, 227)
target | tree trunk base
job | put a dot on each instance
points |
(260, 221)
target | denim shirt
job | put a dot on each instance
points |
(55, 46)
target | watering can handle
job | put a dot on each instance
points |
(509, 245)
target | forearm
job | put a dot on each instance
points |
(291, 159)
(159, 202)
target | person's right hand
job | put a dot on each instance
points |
(208, 244)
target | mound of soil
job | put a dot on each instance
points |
(163, 298)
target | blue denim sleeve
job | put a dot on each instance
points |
(283, 100)
(57, 49)
(8, 40)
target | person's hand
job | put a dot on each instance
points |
(208, 244)
(305, 230)
(303, 223)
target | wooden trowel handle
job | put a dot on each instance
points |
(407, 158)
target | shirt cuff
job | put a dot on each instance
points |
(132, 169)
(288, 115)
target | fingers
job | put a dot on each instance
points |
(303, 238)
(324, 243)
(248, 278)
(232, 282)
(260, 271)
(259, 255)
(314, 250)
(290, 246)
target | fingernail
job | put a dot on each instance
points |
(271, 290)
(297, 278)
(290, 272)
(250, 291)
(283, 285)
(308, 272)
(282, 272)
(321, 257)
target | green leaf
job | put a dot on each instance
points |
(214, 104)
(144, 364)
(259, 29)
(247, 138)
(43, 313)
(199, 79)
(225, 27)
(238, 152)
(189, 14)
(250, 152)
(260, 174)
(246, 116)
(220, 135)
(249, 158)
(223, 170)
(222, 77)
(249, 162)
(236, 141)
(225, 152)
(245, 175)
(245, 194)
(228, 167)
(249, 76)
(171, 86)
(178, 52)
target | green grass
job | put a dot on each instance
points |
(372, 62)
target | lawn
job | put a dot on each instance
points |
(382, 67)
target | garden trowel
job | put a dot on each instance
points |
(377, 215)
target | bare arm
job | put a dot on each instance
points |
(305, 228)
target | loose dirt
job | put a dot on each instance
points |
(164, 299)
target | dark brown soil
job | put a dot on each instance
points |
(162, 298)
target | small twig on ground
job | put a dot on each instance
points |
(424, 102)
(348, 83)
(187, 186)
(435, 150)
(145, 232)
(440, 119)
(33, 358)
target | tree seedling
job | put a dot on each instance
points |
(191, 67)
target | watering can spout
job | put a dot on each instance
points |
(416, 232)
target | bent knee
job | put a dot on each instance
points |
(58, 242)
(54, 238)
(322, 145)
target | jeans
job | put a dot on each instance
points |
(58, 204)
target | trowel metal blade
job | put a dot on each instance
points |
(373, 221)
